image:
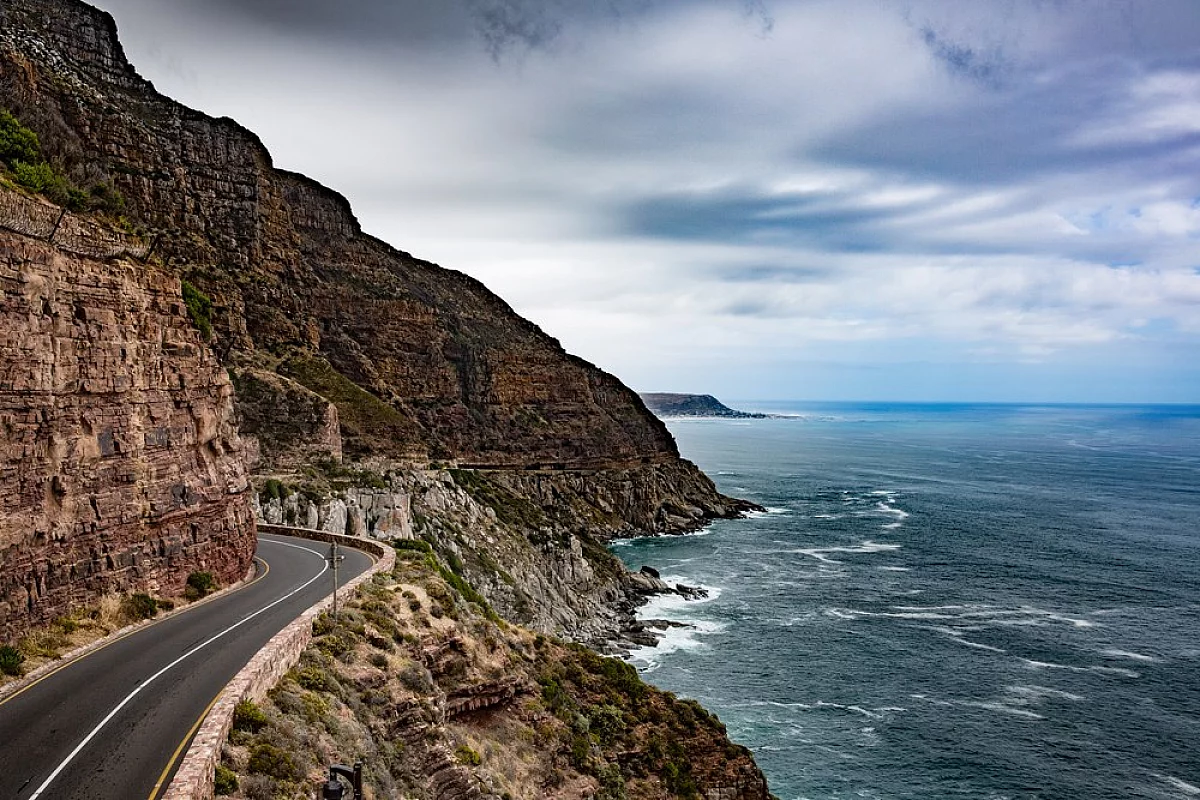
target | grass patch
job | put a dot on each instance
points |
(199, 307)
(12, 661)
(360, 413)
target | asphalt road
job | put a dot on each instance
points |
(111, 725)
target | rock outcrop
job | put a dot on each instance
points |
(121, 469)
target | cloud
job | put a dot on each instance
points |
(755, 194)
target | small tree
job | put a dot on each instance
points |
(17, 143)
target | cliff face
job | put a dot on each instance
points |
(422, 362)
(121, 467)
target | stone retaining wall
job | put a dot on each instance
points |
(194, 779)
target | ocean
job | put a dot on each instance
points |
(946, 601)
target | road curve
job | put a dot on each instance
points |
(140, 697)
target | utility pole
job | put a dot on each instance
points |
(333, 559)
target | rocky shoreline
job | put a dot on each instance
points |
(643, 585)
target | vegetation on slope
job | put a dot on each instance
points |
(21, 154)
(439, 698)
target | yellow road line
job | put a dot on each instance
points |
(158, 787)
(179, 750)
(77, 659)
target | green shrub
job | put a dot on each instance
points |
(248, 717)
(314, 679)
(468, 756)
(43, 178)
(607, 722)
(199, 306)
(276, 490)
(274, 762)
(225, 781)
(412, 545)
(200, 584)
(17, 143)
(12, 660)
(107, 199)
(139, 606)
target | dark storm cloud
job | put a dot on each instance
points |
(987, 67)
(1010, 137)
(744, 216)
(500, 25)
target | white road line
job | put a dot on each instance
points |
(79, 747)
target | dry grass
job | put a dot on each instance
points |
(81, 628)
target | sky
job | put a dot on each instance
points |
(965, 200)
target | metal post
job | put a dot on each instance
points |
(333, 563)
(358, 780)
(50, 238)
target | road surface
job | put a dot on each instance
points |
(113, 724)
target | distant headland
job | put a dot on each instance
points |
(666, 404)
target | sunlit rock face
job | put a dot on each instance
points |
(120, 466)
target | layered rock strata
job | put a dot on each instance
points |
(121, 468)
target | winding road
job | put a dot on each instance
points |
(112, 724)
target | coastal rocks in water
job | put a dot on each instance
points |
(691, 592)
(121, 468)
(651, 571)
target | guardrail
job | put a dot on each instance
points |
(71, 232)
(194, 779)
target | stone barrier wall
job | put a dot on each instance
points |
(71, 232)
(194, 779)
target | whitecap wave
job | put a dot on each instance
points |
(819, 553)
(980, 645)
(1033, 693)
(898, 513)
(1186, 788)
(648, 658)
(1115, 653)
(1102, 670)
(1002, 708)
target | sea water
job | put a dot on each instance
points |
(946, 601)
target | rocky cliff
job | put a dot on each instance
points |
(121, 468)
(375, 393)
(422, 362)
(341, 347)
